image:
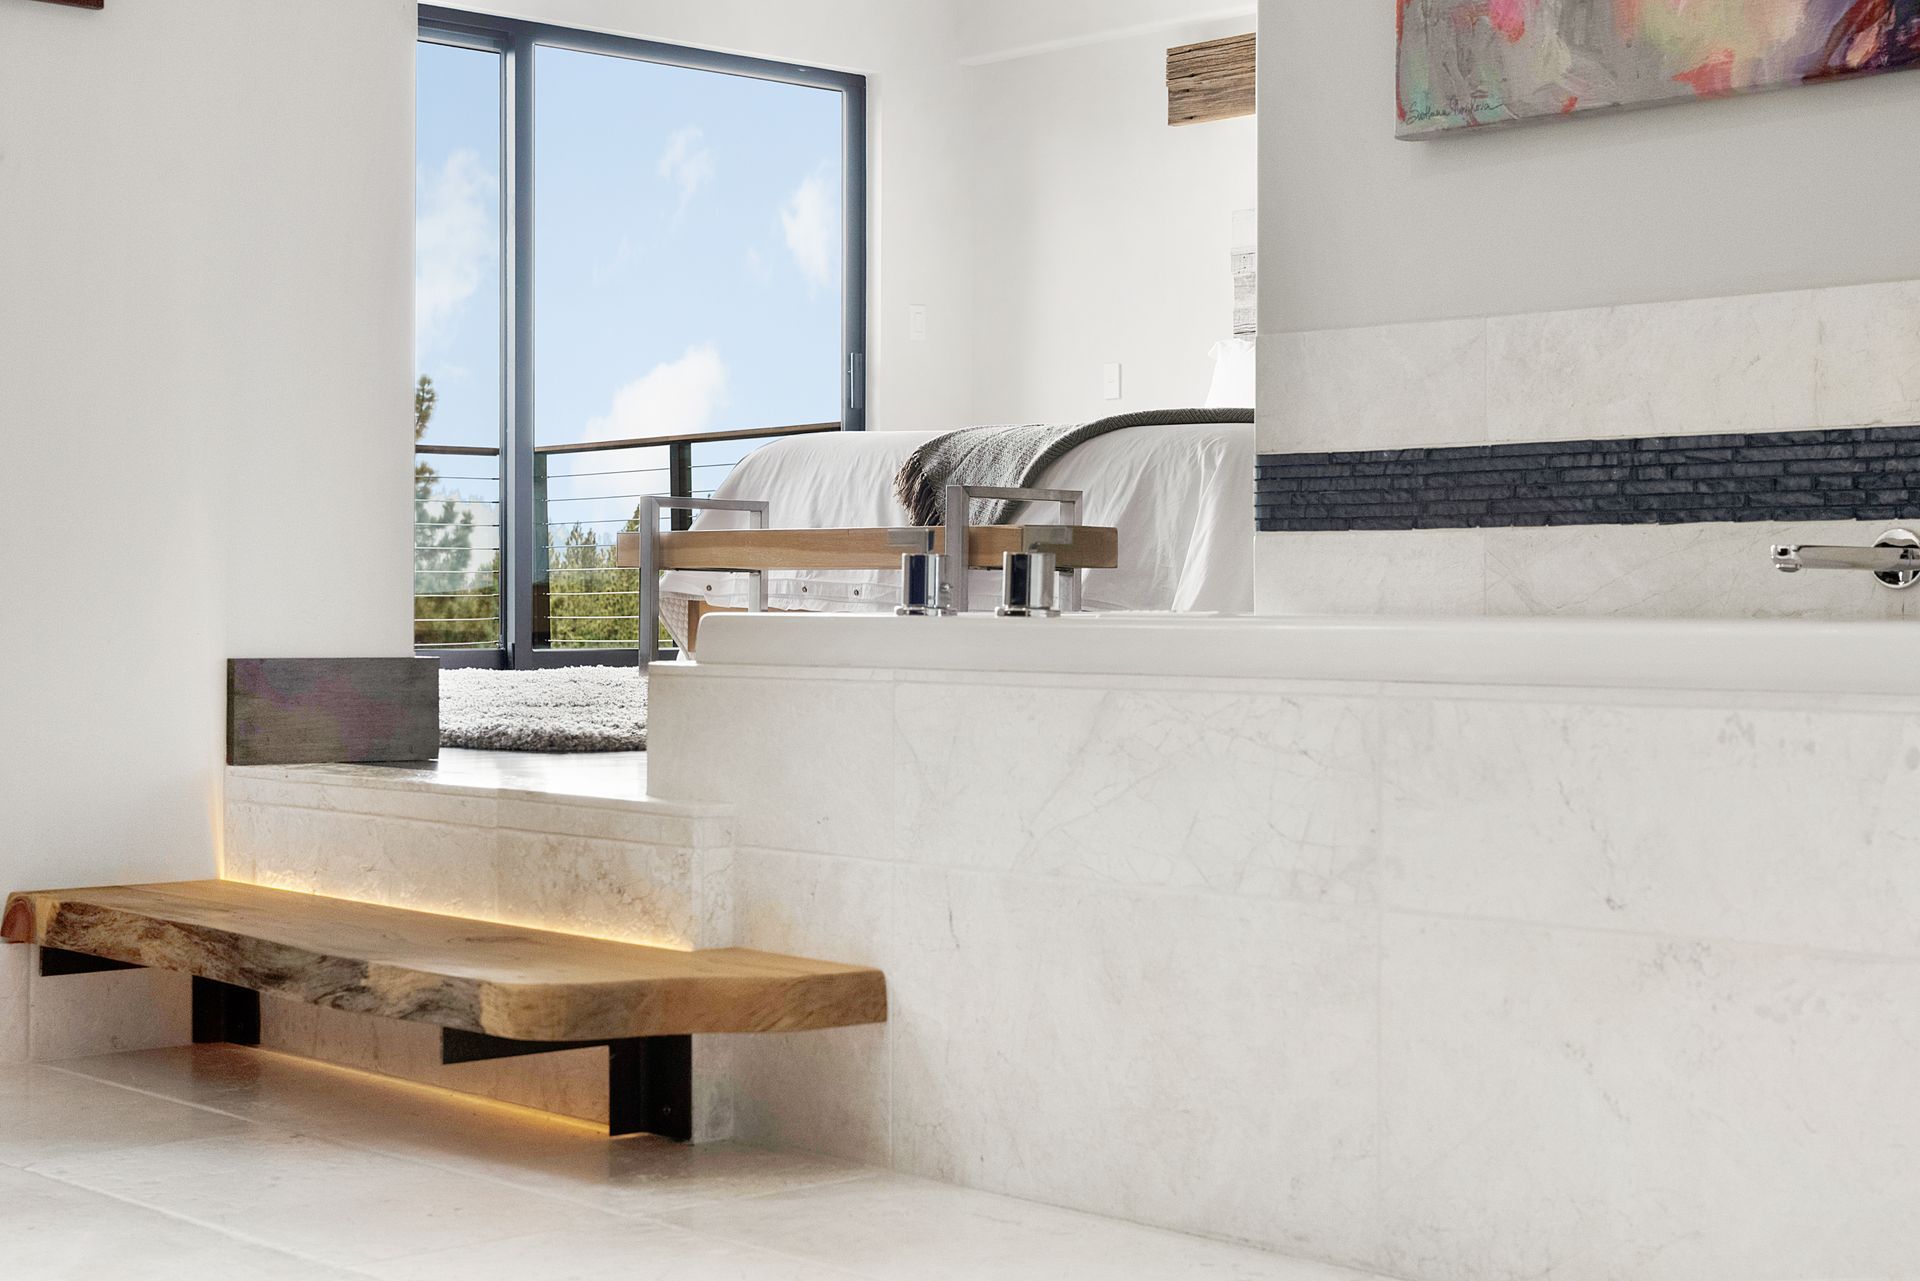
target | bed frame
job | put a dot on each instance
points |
(757, 550)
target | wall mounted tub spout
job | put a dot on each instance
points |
(1894, 560)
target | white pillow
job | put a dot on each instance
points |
(1233, 375)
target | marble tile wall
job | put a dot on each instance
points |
(643, 871)
(1450, 983)
(14, 964)
(1826, 358)
(1631, 571)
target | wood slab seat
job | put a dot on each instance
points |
(722, 550)
(494, 990)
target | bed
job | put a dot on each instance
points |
(1180, 495)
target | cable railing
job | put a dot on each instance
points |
(581, 600)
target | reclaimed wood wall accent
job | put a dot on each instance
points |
(296, 711)
(475, 976)
(1212, 80)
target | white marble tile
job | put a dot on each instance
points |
(909, 1230)
(1243, 793)
(72, 1015)
(618, 1252)
(319, 790)
(267, 1184)
(1870, 355)
(57, 1231)
(570, 1083)
(1383, 387)
(1716, 570)
(1197, 1061)
(614, 889)
(1734, 364)
(824, 1091)
(810, 769)
(564, 1159)
(15, 964)
(425, 866)
(1587, 1106)
(48, 1115)
(1791, 827)
(1425, 572)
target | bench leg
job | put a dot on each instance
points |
(224, 1014)
(650, 1087)
(56, 961)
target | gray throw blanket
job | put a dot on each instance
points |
(1014, 457)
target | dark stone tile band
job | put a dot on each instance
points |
(1869, 473)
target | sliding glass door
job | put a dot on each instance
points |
(673, 274)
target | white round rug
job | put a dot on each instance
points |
(565, 709)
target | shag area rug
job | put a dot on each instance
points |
(567, 709)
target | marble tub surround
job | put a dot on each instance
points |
(1456, 981)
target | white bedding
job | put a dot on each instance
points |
(1181, 497)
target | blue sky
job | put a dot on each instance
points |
(687, 251)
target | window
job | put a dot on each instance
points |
(634, 263)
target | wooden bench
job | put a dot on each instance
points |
(493, 990)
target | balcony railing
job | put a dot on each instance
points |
(583, 496)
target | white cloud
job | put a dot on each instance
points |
(811, 219)
(687, 164)
(455, 240)
(604, 272)
(677, 396)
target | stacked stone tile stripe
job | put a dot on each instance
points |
(1851, 474)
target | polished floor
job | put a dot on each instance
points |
(217, 1162)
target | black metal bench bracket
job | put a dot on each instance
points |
(649, 1078)
(224, 1014)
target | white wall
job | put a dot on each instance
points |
(1792, 190)
(205, 315)
(994, 29)
(1100, 233)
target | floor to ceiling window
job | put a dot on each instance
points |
(634, 264)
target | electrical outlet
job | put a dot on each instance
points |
(1110, 381)
(917, 322)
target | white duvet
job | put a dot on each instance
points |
(1181, 497)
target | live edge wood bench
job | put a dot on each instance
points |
(494, 990)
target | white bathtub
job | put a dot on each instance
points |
(1783, 656)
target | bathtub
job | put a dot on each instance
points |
(1786, 656)
(1451, 949)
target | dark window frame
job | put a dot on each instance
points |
(515, 40)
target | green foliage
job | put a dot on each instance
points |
(456, 598)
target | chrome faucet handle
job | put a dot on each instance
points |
(1894, 560)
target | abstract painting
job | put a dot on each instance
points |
(1472, 63)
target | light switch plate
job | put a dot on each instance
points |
(1110, 381)
(917, 322)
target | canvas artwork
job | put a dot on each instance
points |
(1468, 64)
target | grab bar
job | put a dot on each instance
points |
(1894, 560)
